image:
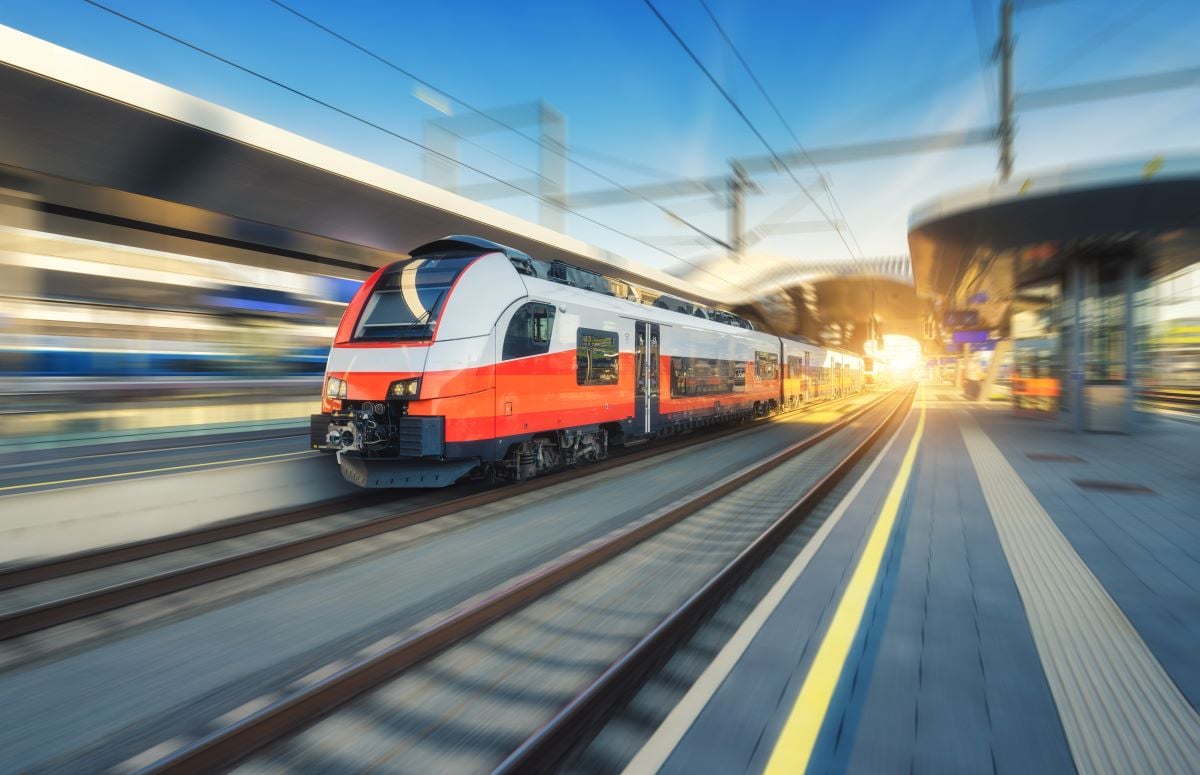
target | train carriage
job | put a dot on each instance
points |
(471, 357)
(713, 371)
(801, 379)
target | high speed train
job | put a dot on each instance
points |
(472, 358)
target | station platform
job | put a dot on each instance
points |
(103, 414)
(50, 467)
(59, 500)
(993, 594)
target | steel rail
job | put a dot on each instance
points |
(42, 616)
(94, 559)
(1182, 400)
(580, 720)
(286, 715)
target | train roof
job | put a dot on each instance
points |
(585, 279)
(466, 242)
(557, 292)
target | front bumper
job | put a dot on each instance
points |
(318, 431)
(412, 457)
(405, 436)
(380, 473)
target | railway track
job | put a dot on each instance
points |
(1185, 401)
(289, 713)
(73, 607)
(82, 562)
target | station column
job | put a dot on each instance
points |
(1101, 351)
(1075, 349)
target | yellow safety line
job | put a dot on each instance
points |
(799, 736)
(148, 471)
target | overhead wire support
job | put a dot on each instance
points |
(1121, 24)
(1004, 53)
(392, 133)
(617, 161)
(313, 99)
(504, 125)
(746, 119)
(835, 205)
(1117, 87)
(984, 59)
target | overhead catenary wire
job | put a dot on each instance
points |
(392, 133)
(494, 154)
(502, 124)
(632, 166)
(779, 162)
(835, 205)
(1103, 35)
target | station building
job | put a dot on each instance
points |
(1084, 281)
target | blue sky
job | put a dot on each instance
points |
(841, 72)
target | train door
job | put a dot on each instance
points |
(646, 363)
(808, 396)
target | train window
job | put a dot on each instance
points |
(766, 365)
(706, 376)
(408, 297)
(795, 367)
(596, 357)
(543, 325)
(529, 331)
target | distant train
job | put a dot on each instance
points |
(875, 371)
(473, 358)
(113, 318)
(90, 356)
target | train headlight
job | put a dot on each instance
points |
(335, 387)
(405, 388)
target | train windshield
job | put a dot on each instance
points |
(408, 299)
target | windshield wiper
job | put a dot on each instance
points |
(424, 318)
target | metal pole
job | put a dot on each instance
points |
(737, 212)
(441, 171)
(1130, 285)
(1075, 358)
(1006, 130)
(552, 166)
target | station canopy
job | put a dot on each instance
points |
(1155, 199)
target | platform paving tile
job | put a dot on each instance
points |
(1120, 709)
(1143, 548)
(956, 685)
(944, 676)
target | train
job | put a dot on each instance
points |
(875, 370)
(473, 359)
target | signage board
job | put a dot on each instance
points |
(961, 318)
(977, 336)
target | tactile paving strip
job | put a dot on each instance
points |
(1120, 710)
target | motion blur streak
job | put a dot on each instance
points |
(99, 337)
